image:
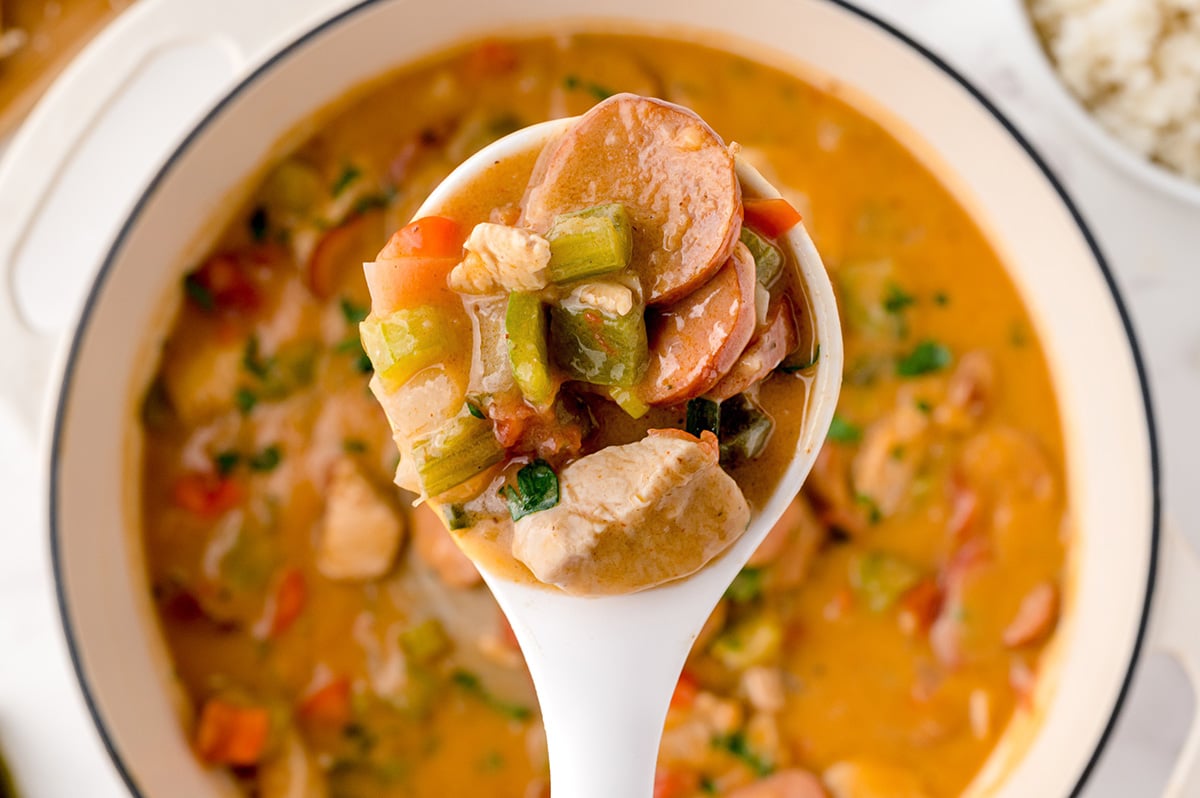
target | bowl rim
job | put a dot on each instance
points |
(70, 355)
(1140, 167)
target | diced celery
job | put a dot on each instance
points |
(755, 641)
(525, 323)
(405, 342)
(458, 450)
(628, 400)
(596, 345)
(590, 242)
(491, 375)
(768, 260)
(425, 642)
(880, 579)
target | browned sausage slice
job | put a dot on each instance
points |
(761, 357)
(696, 341)
(673, 173)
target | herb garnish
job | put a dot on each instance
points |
(536, 490)
(927, 357)
(348, 176)
(470, 683)
(226, 461)
(266, 460)
(351, 312)
(245, 399)
(573, 82)
(737, 745)
(474, 410)
(897, 299)
(746, 586)
(842, 431)
(253, 361)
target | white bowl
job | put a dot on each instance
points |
(1111, 453)
(1100, 137)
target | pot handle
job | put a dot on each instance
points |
(1177, 632)
(60, 125)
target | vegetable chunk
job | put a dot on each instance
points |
(634, 516)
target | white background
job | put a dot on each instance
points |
(1152, 242)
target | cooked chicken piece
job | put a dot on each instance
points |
(361, 531)
(201, 379)
(634, 516)
(763, 687)
(291, 773)
(892, 450)
(499, 256)
(862, 778)
(784, 784)
(611, 298)
(439, 551)
(969, 393)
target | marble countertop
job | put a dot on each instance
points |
(1150, 240)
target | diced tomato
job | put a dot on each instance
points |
(674, 783)
(686, 690)
(224, 283)
(429, 237)
(919, 607)
(339, 250)
(290, 597)
(232, 735)
(408, 281)
(205, 494)
(491, 58)
(770, 217)
(328, 705)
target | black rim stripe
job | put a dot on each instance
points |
(102, 276)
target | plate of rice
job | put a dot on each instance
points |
(1131, 72)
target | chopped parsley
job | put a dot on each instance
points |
(199, 293)
(253, 361)
(345, 179)
(245, 399)
(353, 346)
(351, 312)
(941, 298)
(925, 406)
(746, 586)
(842, 431)
(354, 446)
(226, 461)
(474, 410)
(266, 460)
(873, 513)
(574, 83)
(737, 745)
(536, 490)
(897, 299)
(926, 358)
(470, 684)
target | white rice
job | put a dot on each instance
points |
(1136, 65)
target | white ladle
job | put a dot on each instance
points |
(605, 668)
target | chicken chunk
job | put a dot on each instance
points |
(361, 531)
(499, 256)
(861, 778)
(634, 516)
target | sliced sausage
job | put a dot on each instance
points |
(761, 357)
(697, 340)
(672, 172)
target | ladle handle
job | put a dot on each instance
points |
(604, 696)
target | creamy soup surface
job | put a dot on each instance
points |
(876, 646)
